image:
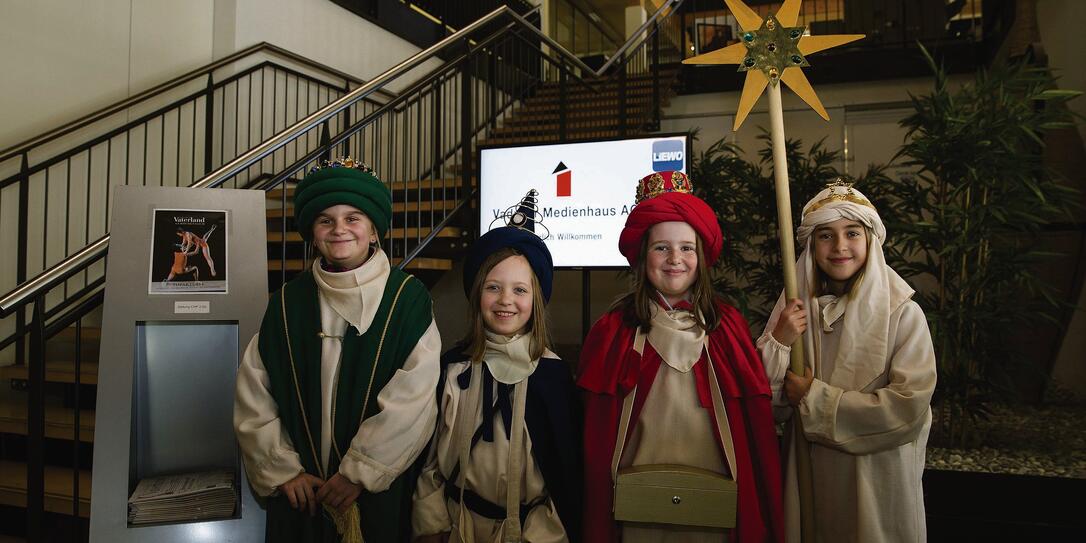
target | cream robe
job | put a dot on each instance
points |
(672, 415)
(386, 443)
(486, 473)
(867, 438)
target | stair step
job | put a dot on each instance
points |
(571, 127)
(90, 333)
(56, 372)
(298, 264)
(574, 103)
(636, 87)
(59, 421)
(426, 184)
(530, 116)
(58, 488)
(276, 236)
(631, 79)
(553, 137)
(397, 207)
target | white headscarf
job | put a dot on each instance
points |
(861, 353)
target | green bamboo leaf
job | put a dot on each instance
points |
(1052, 94)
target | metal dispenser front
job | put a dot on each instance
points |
(186, 288)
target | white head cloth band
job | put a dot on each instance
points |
(862, 350)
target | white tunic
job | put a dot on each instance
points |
(386, 443)
(486, 475)
(867, 439)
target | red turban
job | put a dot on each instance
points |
(671, 206)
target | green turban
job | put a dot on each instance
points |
(337, 185)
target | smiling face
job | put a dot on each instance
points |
(671, 262)
(840, 251)
(343, 235)
(505, 300)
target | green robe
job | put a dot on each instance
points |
(297, 392)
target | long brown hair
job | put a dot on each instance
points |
(636, 305)
(475, 340)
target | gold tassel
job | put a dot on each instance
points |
(349, 524)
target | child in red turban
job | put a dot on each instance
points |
(671, 378)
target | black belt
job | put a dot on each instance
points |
(484, 507)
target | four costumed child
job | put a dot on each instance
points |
(504, 463)
(334, 396)
(671, 377)
(865, 407)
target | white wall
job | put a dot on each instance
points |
(327, 33)
(63, 60)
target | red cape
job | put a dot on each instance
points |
(610, 368)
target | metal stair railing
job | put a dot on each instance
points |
(175, 132)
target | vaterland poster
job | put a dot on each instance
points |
(188, 252)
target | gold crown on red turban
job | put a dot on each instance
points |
(658, 183)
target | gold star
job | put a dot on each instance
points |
(770, 50)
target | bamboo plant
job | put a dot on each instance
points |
(965, 224)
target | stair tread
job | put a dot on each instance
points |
(56, 371)
(58, 487)
(394, 186)
(59, 420)
(90, 333)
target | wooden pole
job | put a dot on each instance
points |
(788, 260)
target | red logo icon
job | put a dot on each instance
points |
(563, 180)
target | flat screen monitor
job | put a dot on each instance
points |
(585, 190)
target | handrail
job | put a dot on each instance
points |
(633, 37)
(188, 77)
(18, 296)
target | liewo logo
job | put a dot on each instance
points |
(667, 155)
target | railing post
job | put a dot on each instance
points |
(435, 131)
(492, 81)
(683, 51)
(209, 123)
(622, 95)
(562, 99)
(35, 442)
(346, 125)
(467, 124)
(655, 77)
(326, 137)
(20, 255)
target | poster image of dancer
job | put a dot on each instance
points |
(188, 252)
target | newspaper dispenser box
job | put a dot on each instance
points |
(186, 287)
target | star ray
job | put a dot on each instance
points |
(814, 44)
(732, 54)
(797, 81)
(752, 90)
(748, 19)
(789, 12)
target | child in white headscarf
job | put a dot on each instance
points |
(865, 398)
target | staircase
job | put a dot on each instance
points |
(502, 86)
(596, 112)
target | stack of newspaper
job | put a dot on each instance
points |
(189, 496)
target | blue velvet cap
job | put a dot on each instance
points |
(525, 243)
(519, 234)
